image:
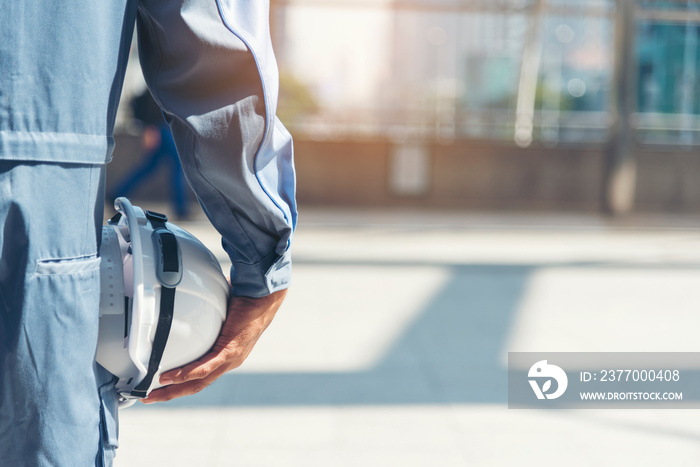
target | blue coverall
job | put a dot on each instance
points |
(210, 66)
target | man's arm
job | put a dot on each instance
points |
(210, 66)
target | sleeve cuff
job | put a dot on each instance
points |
(269, 275)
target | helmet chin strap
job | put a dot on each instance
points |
(169, 274)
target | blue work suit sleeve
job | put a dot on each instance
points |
(210, 66)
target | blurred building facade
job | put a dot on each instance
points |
(562, 104)
(427, 64)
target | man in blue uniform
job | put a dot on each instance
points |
(209, 65)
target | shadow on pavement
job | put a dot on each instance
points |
(449, 354)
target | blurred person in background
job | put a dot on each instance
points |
(159, 150)
(210, 67)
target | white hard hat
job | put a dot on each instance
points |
(162, 300)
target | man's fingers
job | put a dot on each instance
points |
(179, 390)
(175, 390)
(197, 370)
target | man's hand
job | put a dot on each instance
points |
(246, 320)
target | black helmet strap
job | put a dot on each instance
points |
(169, 252)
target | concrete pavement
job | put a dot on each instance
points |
(391, 348)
